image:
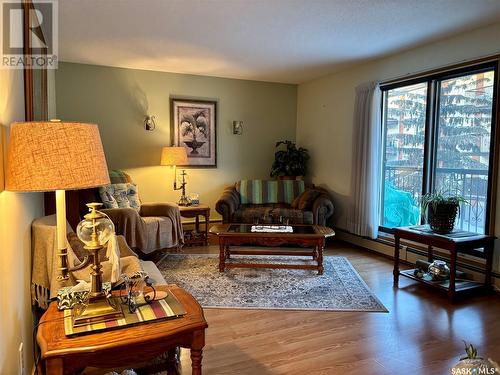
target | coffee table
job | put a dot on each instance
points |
(240, 234)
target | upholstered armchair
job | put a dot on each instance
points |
(156, 226)
(267, 200)
(147, 227)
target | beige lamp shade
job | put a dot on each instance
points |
(174, 156)
(47, 156)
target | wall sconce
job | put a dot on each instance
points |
(238, 127)
(149, 123)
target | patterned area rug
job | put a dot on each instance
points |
(340, 288)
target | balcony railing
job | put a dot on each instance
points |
(472, 184)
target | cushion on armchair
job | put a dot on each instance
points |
(133, 196)
(120, 195)
(106, 194)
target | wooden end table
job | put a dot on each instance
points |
(200, 237)
(124, 346)
(240, 234)
(464, 245)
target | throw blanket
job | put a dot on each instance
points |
(44, 283)
(131, 224)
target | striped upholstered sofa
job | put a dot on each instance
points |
(268, 200)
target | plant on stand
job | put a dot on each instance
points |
(289, 162)
(442, 210)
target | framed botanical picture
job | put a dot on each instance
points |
(193, 127)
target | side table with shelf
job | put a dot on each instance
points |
(465, 245)
(128, 345)
(196, 236)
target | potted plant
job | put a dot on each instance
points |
(289, 162)
(442, 210)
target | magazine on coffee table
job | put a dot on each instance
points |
(272, 228)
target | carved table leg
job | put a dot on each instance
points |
(395, 272)
(207, 220)
(222, 256)
(228, 253)
(196, 356)
(197, 344)
(320, 248)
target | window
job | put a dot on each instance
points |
(438, 136)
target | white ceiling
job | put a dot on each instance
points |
(269, 40)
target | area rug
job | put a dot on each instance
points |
(340, 288)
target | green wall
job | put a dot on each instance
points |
(118, 99)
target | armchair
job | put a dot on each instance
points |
(154, 226)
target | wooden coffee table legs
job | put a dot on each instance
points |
(223, 254)
(316, 253)
(320, 249)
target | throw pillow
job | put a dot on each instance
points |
(133, 196)
(106, 193)
(295, 203)
(120, 194)
(307, 198)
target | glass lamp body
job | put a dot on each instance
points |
(104, 228)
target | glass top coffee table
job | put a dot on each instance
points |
(312, 236)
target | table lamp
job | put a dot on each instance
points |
(56, 156)
(175, 156)
(95, 230)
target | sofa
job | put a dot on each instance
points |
(268, 201)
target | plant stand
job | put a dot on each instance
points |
(465, 245)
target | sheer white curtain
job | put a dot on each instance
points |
(365, 181)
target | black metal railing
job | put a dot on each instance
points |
(472, 184)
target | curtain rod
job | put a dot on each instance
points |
(426, 73)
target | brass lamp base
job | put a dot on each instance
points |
(184, 201)
(98, 309)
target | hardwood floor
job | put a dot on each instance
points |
(421, 334)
